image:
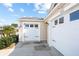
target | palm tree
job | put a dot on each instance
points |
(8, 30)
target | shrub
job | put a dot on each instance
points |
(7, 41)
(2, 43)
(14, 38)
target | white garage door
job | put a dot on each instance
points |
(31, 32)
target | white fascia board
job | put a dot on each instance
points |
(69, 6)
(46, 18)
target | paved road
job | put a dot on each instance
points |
(34, 49)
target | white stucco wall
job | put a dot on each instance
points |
(66, 35)
(43, 31)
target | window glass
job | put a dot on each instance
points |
(26, 25)
(31, 25)
(56, 22)
(74, 15)
(61, 20)
(36, 25)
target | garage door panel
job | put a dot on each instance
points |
(32, 33)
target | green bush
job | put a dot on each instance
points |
(2, 44)
(7, 41)
(13, 38)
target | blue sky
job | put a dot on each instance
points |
(10, 12)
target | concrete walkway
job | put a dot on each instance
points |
(34, 49)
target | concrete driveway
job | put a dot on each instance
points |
(34, 49)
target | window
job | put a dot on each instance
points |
(56, 22)
(26, 25)
(74, 15)
(31, 25)
(61, 20)
(36, 25)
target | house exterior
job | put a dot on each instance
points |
(32, 29)
(63, 28)
(60, 28)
